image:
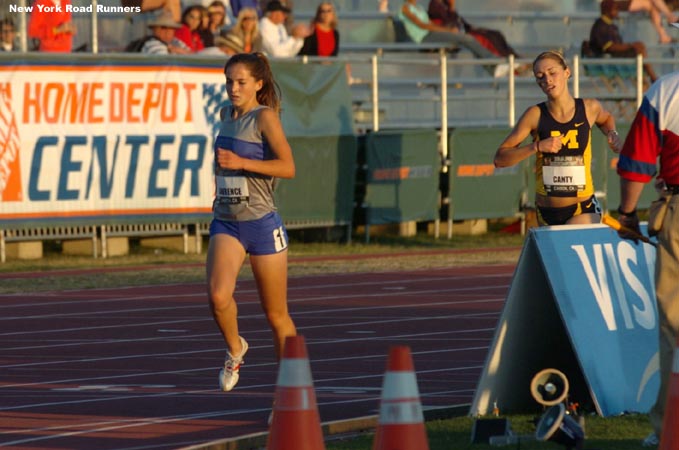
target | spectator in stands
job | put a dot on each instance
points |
(189, 32)
(221, 46)
(287, 3)
(324, 38)
(219, 22)
(422, 30)
(655, 9)
(383, 6)
(276, 42)
(289, 19)
(443, 12)
(51, 24)
(237, 5)
(605, 39)
(562, 142)
(162, 40)
(243, 37)
(223, 6)
(8, 37)
(204, 28)
(173, 7)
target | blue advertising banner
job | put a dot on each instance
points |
(582, 301)
(106, 139)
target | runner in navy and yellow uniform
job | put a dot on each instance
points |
(561, 131)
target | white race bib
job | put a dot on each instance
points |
(232, 190)
(565, 174)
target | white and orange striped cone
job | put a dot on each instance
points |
(670, 426)
(401, 422)
(296, 423)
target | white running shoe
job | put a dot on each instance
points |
(228, 376)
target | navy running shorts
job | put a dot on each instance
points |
(559, 216)
(265, 236)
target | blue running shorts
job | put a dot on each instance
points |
(264, 236)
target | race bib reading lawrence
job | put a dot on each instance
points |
(232, 190)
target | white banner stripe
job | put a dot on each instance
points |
(399, 385)
(392, 413)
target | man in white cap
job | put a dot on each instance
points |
(276, 42)
(162, 41)
(653, 137)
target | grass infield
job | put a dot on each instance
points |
(624, 432)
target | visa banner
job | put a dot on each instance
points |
(582, 301)
(104, 140)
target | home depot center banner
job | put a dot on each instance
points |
(128, 138)
(91, 141)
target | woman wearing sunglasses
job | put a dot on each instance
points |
(324, 38)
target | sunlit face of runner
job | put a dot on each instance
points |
(242, 87)
(551, 74)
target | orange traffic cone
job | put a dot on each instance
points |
(295, 424)
(670, 426)
(401, 422)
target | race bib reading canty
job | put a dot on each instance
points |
(563, 174)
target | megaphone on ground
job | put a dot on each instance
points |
(557, 426)
(549, 387)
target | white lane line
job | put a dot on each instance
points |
(211, 368)
(253, 290)
(318, 381)
(353, 323)
(156, 309)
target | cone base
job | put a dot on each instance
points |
(288, 426)
(401, 437)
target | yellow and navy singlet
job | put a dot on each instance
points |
(567, 173)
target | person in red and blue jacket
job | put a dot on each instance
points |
(653, 138)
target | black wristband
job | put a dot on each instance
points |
(629, 214)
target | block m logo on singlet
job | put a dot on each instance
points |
(570, 139)
(10, 169)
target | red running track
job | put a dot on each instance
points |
(136, 368)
